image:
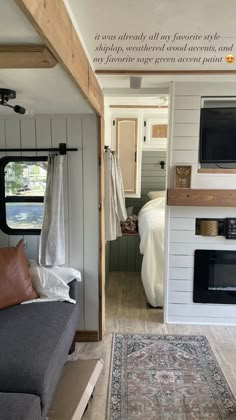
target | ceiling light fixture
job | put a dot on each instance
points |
(5, 96)
(162, 100)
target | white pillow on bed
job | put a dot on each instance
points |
(156, 194)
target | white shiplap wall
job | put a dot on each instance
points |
(80, 191)
(182, 239)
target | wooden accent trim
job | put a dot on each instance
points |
(26, 57)
(138, 106)
(159, 131)
(199, 197)
(95, 93)
(135, 120)
(52, 21)
(153, 72)
(86, 336)
(102, 242)
(216, 171)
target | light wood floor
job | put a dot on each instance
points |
(128, 312)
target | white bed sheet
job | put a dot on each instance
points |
(151, 221)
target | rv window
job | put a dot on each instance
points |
(22, 189)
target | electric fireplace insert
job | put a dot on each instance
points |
(214, 276)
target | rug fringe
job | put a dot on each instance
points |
(110, 379)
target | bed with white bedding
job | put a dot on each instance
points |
(151, 221)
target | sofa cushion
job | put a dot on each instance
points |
(15, 280)
(19, 406)
(35, 340)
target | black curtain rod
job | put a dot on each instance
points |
(62, 149)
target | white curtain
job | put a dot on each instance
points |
(52, 238)
(115, 210)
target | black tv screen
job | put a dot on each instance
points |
(218, 135)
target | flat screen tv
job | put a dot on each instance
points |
(217, 135)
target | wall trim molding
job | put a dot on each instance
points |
(86, 336)
(153, 72)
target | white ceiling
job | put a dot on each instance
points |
(166, 17)
(52, 91)
(44, 91)
(14, 27)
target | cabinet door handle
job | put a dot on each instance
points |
(135, 156)
(144, 138)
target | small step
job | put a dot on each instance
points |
(74, 389)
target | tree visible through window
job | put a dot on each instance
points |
(22, 189)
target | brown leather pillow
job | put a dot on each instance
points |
(15, 280)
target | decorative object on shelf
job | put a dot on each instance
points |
(209, 227)
(182, 177)
(230, 228)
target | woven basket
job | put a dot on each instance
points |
(209, 227)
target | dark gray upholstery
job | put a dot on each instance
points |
(19, 407)
(35, 339)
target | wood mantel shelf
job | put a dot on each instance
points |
(203, 198)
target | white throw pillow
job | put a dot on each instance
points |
(156, 194)
(52, 283)
(67, 274)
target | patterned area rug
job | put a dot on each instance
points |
(167, 377)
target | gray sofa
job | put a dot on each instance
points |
(35, 339)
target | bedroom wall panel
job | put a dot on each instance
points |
(91, 227)
(153, 178)
(184, 297)
(182, 248)
(180, 286)
(182, 273)
(202, 310)
(181, 261)
(187, 102)
(199, 89)
(125, 254)
(188, 236)
(182, 239)
(201, 320)
(187, 116)
(185, 143)
(81, 213)
(59, 135)
(202, 212)
(186, 130)
(181, 223)
(184, 156)
(75, 198)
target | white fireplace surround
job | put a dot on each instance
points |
(180, 221)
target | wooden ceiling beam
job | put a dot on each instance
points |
(52, 21)
(26, 57)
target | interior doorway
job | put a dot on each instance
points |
(135, 261)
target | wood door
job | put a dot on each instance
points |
(126, 147)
